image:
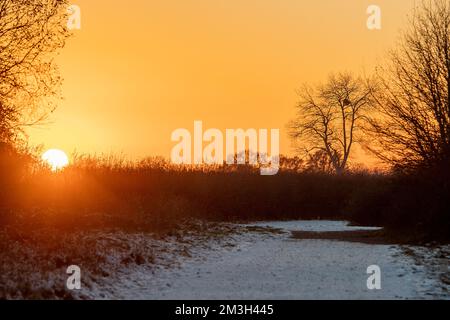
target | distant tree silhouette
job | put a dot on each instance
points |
(30, 32)
(412, 125)
(330, 118)
(319, 161)
(292, 164)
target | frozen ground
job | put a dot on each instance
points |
(264, 263)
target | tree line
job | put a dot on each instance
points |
(401, 113)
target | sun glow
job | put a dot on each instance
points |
(56, 159)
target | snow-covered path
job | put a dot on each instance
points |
(271, 265)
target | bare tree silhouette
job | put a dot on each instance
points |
(329, 119)
(412, 122)
(30, 32)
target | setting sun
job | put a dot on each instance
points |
(57, 159)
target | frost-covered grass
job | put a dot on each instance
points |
(33, 266)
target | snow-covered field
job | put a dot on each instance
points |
(262, 261)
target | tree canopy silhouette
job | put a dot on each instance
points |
(330, 118)
(412, 122)
(31, 31)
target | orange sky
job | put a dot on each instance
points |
(137, 71)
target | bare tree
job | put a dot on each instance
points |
(412, 125)
(30, 33)
(330, 117)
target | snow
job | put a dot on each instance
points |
(258, 263)
(313, 225)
